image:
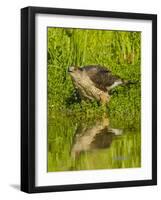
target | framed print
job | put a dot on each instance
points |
(88, 99)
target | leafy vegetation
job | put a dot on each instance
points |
(117, 50)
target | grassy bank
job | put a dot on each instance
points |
(117, 50)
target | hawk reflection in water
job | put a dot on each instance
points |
(93, 137)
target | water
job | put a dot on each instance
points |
(91, 144)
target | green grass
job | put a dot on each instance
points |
(119, 51)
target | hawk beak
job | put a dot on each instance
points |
(70, 69)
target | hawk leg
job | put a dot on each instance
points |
(104, 98)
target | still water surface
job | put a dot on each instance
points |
(91, 144)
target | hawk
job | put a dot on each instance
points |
(94, 82)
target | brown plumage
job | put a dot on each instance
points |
(94, 81)
(101, 76)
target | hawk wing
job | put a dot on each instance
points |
(100, 76)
